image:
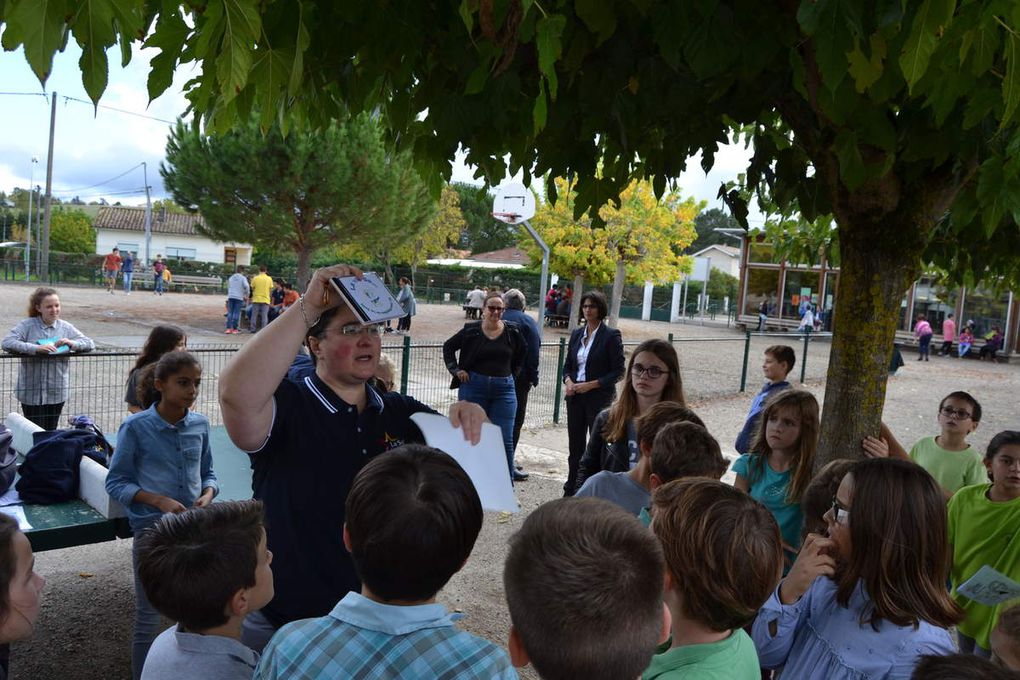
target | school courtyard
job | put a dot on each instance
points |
(84, 629)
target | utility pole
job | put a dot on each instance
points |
(38, 231)
(44, 272)
(28, 225)
(148, 213)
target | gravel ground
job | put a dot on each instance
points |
(84, 629)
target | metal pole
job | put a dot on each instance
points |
(747, 353)
(148, 212)
(44, 272)
(543, 282)
(38, 232)
(405, 364)
(28, 225)
(803, 359)
(559, 381)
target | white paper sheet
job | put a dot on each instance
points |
(989, 587)
(11, 497)
(484, 463)
(18, 513)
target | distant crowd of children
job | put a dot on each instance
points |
(655, 570)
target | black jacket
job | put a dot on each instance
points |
(605, 358)
(468, 339)
(601, 455)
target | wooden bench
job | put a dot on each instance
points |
(180, 281)
(557, 320)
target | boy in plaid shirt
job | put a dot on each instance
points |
(412, 519)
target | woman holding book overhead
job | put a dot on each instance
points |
(492, 352)
(44, 340)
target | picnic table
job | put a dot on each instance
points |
(73, 523)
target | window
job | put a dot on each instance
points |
(127, 247)
(801, 288)
(933, 300)
(762, 285)
(181, 253)
(762, 252)
(986, 309)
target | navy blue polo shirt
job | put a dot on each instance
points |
(303, 473)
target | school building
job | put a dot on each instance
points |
(784, 288)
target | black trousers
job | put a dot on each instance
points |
(523, 388)
(581, 412)
(404, 323)
(46, 416)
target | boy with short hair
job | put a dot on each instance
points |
(583, 583)
(779, 361)
(412, 517)
(724, 557)
(630, 490)
(206, 568)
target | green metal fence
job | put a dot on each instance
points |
(710, 367)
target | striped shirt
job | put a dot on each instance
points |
(362, 638)
(43, 378)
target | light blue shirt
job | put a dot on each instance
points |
(153, 455)
(361, 638)
(817, 638)
(175, 655)
(617, 487)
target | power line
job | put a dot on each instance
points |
(114, 108)
(93, 186)
(25, 94)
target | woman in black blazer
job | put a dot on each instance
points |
(593, 366)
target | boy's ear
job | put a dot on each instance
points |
(518, 654)
(347, 538)
(975, 426)
(654, 481)
(238, 604)
(667, 624)
(645, 448)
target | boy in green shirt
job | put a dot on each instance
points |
(724, 558)
(947, 457)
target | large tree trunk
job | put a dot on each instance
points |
(614, 303)
(875, 271)
(575, 302)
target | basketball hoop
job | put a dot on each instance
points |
(508, 217)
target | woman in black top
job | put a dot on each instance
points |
(593, 366)
(491, 354)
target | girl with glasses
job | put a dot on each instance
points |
(868, 599)
(491, 354)
(653, 376)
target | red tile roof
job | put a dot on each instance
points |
(505, 256)
(133, 219)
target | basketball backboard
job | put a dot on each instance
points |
(513, 204)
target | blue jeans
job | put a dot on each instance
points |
(147, 621)
(234, 312)
(127, 281)
(158, 280)
(923, 345)
(499, 399)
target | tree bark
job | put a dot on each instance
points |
(575, 302)
(614, 304)
(874, 275)
(304, 257)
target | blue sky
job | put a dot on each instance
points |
(93, 146)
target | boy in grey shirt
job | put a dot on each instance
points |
(207, 568)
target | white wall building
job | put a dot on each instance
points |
(724, 258)
(174, 237)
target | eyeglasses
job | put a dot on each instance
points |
(956, 414)
(839, 513)
(652, 372)
(495, 310)
(357, 329)
(589, 306)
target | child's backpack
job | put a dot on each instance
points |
(50, 472)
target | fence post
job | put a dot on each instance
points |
(405, 364)
(559, 381)
(803, 359)
(747, 353)
(671, 338)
